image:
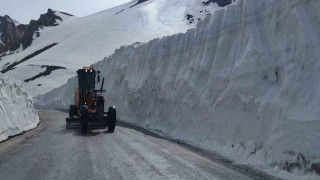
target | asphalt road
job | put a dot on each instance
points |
(53, 152)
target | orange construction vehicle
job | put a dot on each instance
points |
(89, 103)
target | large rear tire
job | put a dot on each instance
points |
(112, 119)
(84, 122)
(68, 125)
(100, 108)
(72, 111)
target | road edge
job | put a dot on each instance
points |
(243, 169)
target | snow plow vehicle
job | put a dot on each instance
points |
(89, 103)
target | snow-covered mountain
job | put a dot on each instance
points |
(17, 113)
(16, 37)
(244, 83)
(54, 56)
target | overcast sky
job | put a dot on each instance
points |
(25, 10)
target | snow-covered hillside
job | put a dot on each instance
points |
(17, 114)
(244, 83)
(79, 42)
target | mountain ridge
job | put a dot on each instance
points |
(15, 35)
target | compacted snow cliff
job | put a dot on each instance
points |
(244, 83)
(17, 114)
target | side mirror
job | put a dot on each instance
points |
(98, 78)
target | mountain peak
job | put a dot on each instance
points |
(13, 34)
(6, 18)
(49, 19)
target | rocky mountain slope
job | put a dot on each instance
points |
(15, 35)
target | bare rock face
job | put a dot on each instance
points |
(48, 19)
(221, 3)
(10, 34)
(139, 2)
(13, 36)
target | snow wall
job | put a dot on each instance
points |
(17, 114)
(244, 83)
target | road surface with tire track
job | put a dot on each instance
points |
(54, 152)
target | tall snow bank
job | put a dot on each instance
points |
(244, 83)
(17, 114)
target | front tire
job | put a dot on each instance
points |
(84, 122)
(100, 108)
(112, 118)
(68, 125)
(72, 111)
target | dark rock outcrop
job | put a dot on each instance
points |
(12, 35)
(47, 72)
(9, 67)
(139, 2)
(48, 19)
(221, 3)
(190, 18)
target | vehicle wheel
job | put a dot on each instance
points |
(112, 118)
(72, 111)
(68, 126)
(84, 122)
(100, 108)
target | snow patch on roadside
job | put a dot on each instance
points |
(17, 114)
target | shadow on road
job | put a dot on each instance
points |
(92, 131)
